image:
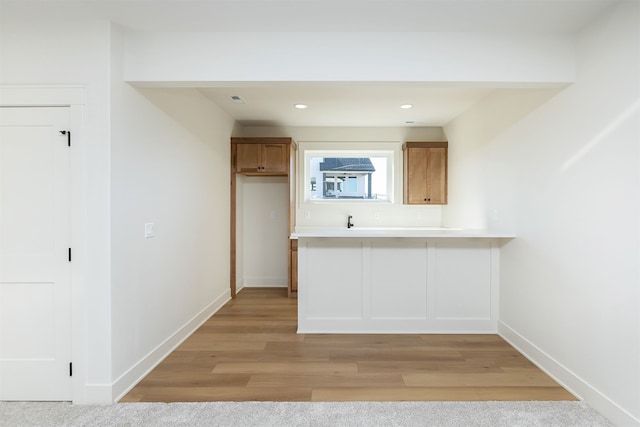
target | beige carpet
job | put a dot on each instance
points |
(406, 414)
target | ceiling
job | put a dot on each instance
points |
(335, 104)
(359, 105)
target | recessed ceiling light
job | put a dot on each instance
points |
(237, 99)
(406, 106)
(300, 106)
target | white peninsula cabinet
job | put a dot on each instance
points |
(398, 281)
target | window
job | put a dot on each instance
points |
(348, 175)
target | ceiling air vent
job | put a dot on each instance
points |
(237, 99)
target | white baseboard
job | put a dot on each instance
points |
(94, 394)
(265, 282)
(137, 372)
(569, 380)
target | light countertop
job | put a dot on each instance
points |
(409, 232)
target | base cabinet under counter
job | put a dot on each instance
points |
(398, 285)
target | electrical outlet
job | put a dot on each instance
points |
(149, 230)
(377, 216)
(274, 215)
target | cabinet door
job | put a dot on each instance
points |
(275, 158)
(416, 176)
(248, 157)
(425, 175)
(436, 176)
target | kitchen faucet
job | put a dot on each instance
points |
(349, 223)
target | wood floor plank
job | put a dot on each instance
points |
(220, 394)
(523, 393)
(203, 343)
(484, 379)
(327, 380)
(440, 394)
(254, 329)
(299, 368)
(250, 350)
(424, 366)
(398, 394)
(350, 339)
(195, 379)
(399, 354)
(216, 337)
(216, 357)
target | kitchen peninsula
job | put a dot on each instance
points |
(398, 280)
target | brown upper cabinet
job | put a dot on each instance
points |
(261, 156)
(425, 173)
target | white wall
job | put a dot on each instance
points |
(51, 52)
(365, 214)
(169, 166)
(469, 197)
(568, 174)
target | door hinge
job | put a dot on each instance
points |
(68, 133)
(69, 254)
(70, 369)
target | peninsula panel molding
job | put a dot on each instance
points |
(398, 285)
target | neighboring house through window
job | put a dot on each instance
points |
(347, 177)
(352, 175)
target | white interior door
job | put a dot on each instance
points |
(35, 235)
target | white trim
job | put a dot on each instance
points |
(74, 98)
(96, 394)
(78, 265)
(565, 377)
(133, 376)
(265, 282)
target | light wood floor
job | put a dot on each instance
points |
(249, 350)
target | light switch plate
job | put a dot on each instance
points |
(149, 230)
